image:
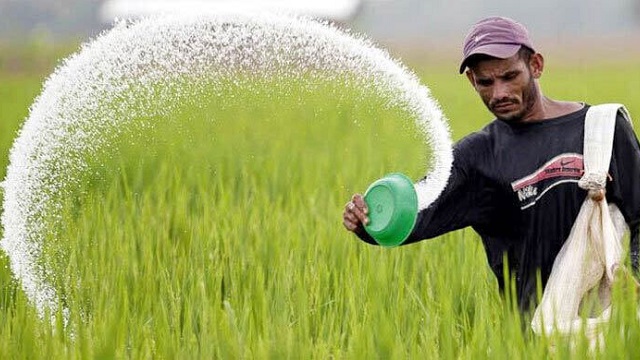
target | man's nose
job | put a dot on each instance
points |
(500, 90)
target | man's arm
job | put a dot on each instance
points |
(625, 188)
(635, 249)
(455, 208)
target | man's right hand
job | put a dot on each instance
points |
(355, 214)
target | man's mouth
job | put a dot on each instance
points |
(504, 107)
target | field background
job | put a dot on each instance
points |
(223, 239)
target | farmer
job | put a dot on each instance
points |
(515, 181)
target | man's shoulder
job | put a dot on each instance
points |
(623, 120)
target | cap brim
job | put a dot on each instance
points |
(500, 51)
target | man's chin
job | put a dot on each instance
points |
(513, 116)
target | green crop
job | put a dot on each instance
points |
(218, 234)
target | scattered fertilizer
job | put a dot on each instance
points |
(175, 60)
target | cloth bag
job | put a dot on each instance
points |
(586, 266)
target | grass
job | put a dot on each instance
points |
(218, 235)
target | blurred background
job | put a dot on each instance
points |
(579, 38)
(419, 27)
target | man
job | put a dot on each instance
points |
(515, 181)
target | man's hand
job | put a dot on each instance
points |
(355, 213)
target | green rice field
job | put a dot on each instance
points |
(218, 235)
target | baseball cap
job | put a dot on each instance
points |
(496, 36)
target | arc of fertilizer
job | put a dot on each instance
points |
(152, 55)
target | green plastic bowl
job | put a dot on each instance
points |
(393, 209)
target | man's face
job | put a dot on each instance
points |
(506, 86)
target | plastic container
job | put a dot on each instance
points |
(393, 209)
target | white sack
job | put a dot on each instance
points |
(587, 263)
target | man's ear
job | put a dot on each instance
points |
(536, 64)
(471, 78)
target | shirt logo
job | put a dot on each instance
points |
(527, 192)
(564, 168)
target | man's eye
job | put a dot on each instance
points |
(484, 82)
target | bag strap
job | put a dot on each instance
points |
(599, 128)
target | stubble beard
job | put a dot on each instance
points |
(529, 98)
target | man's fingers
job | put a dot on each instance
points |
(351, 217)
(358, 200)
(355, 212)
(349, 225)
(359, 213)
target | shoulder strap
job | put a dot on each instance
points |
(599, 128)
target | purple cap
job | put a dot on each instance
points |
(498, 37)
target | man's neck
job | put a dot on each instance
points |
(551, 109)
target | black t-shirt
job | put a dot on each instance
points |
(516, 186)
